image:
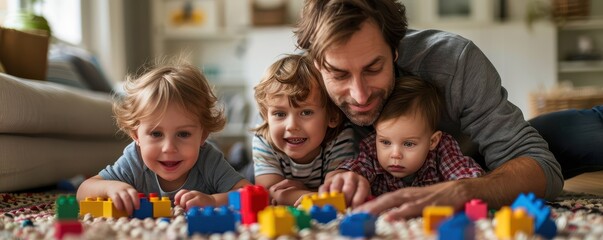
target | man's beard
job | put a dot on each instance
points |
(365, 118)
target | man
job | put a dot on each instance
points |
(360, 46)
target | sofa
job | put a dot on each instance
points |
(59, 128)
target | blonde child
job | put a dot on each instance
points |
(302, 136)
(169, 112)
(406, 149)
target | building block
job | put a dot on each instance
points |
(276, 221)
(64, 228)
(67, 208)
(336, 199)
(209, 220)
(94, 206)
(323, 214)
(433, 216)
(254, 198)
(146, 208)
(476, 209)
(509, 222)
(359, 225)
(302, 219)
(459, 227)
(543, 224)
(162, 207)
(234, 200)
(109, 210)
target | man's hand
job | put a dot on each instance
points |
(409, 202)
(354, 187)
(123, 195)
(187, 199)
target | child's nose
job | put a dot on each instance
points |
(396, 153)
(169, 146)
(292, 124)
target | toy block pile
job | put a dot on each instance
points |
(528, 215)
(250, 205)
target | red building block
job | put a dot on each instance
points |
(63, 228)
(476, 209)
(254, 198)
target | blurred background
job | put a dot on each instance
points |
(548, 52)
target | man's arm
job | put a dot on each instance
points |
(498, 188)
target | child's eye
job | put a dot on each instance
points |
(307, 112)
(409, 144)
(385, 142)
(156, 134)
(279, 114)
(184, 134)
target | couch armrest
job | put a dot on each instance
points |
(38, 107)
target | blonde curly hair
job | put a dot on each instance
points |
(148, 96)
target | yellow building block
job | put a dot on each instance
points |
(94, 206)
(334, 198)
(276, 221)
(433, 216)
(161, 207)
(109, 210)
(509, 222)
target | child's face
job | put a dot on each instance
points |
(170, 147)
(403, 144)
(298, 132)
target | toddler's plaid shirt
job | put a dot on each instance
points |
(445, 162)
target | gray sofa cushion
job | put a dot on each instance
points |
(39, 107)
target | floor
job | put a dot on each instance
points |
(587, 182)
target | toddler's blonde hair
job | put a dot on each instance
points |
(148, 96)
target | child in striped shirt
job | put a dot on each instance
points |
(302, 136)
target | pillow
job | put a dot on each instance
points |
(61, 70)
(91, 75)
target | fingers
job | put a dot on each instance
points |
(385, 202)
(407, 210)
(126, 200)
(362, 192)
(188, 199)
(178, 196)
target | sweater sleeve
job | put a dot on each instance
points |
(495, 124)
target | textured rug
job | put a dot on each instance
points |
(31, 216)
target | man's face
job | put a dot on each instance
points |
(359, 74)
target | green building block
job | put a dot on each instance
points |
(67, 208)
(302, 219)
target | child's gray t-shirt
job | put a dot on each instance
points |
(211, 174)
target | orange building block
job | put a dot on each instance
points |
(276, 221)
(334, 198)
(509, 222)
(94, 206)
(161, 207)
(433, 216)
(109, 210)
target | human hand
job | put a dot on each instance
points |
(124, 196)
(409, 202)
(279, 190)
(186, 199)
(354, 187)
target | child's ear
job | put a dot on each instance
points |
(204, 137)
(334, 120)
(134, 135)
(435, 139)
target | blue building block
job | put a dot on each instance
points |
(324, 214)
(543, 224)
(458, 227)
(234, 200)
(209, 220)
(359, 225)
(145, 210)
